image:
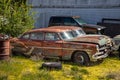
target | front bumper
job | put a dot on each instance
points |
(102, 54)
(99, 56)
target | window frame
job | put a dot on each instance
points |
(37, 36)
(55, 34)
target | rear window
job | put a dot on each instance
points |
(69, 21)
(55, 21)
(63, 21)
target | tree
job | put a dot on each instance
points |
(15, 17)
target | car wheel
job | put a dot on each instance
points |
(81, 58)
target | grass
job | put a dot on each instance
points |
(20, 68)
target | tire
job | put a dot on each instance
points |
(52, 65)
(81, 58)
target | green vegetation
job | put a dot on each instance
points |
(15, 17)
(20, 68)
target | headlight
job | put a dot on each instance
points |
(97, 47)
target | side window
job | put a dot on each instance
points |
(25, 36)
(55, 21)
(37, 36)
(69, 21)
(51, 36)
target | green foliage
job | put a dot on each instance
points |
(22, 68)
(15, 17)
(3, 77)
(84, 71)
(76, 75)
(41, 75)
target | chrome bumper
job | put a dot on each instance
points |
(100, 55)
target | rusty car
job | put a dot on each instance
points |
(66, 43)
(92, 38)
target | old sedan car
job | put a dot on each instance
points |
(64, 43)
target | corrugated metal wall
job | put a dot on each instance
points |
(92, 11)
(74, 3)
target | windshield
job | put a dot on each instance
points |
(67, 35)
(72, 34)
(78, 32)
(80, 21)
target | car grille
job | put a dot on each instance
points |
(104, 48)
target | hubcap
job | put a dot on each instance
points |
(80, 59)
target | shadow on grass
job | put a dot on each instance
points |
(89, 65)
(69, 62)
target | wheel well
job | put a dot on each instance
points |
(78, 51)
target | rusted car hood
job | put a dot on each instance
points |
(98, 39)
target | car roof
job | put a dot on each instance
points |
(65, 27)
(48, 30)
(54, 29)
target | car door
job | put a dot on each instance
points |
(35, 43)
(20, 44)
(52, 45)
(30, 43)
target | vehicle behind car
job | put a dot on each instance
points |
(117, 43)
(76, 21)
